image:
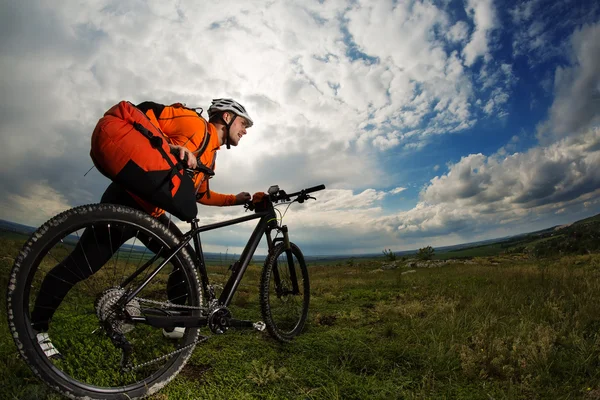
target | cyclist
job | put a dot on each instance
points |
(227, 124)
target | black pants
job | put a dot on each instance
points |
(93, 250)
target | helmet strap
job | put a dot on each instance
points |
(227, 128)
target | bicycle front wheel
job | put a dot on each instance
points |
(284, 292)
(66, 283)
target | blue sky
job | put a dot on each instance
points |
(431, 123)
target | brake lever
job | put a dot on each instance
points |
(303, 197)
(280, 195)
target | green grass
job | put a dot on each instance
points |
(503, 327)
(476, 251)
(531, 244)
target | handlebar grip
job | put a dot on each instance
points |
(305, 191)
(314, 189)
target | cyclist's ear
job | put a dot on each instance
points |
(227, 116)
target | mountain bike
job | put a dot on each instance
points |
(109, 327)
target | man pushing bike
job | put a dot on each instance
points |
(147, 151)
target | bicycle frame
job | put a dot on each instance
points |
(264, 226)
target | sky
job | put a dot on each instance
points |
(430, 123)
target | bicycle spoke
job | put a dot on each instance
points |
(79, 276)
(122, 240)
(82, 296)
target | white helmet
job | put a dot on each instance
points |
(220, 105)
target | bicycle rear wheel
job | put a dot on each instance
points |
(69, 248)
(284, 292)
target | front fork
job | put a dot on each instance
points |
(280, 285)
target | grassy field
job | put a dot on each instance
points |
(502, 327)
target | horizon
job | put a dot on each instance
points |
(362, 255)
(430, 124)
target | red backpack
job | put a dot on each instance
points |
(129, 149)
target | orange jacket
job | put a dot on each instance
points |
(185, 127)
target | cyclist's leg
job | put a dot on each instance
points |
(176, 284)
(92, 251)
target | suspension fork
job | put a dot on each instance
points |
(290, 263)
(290, 259)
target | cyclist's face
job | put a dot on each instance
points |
(237, 130)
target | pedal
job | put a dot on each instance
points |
(259, 326)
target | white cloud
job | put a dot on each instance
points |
(540, 36)
(430, 91)
(333, 86)
(459, 32)
(523, 11)
(478, 193)
(397, 190)
(481, 191)
(576, 105)
(532, 40)
(484, 17)
(35, 204)
(495, 103)
(296, 66)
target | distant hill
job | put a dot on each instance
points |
(8, 226)
(578, 237)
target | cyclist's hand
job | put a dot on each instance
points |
(259, 196)
(184, 153)
(242, 198)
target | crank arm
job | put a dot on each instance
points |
(238, 323)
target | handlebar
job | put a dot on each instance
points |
(309, 190)
(276, 194)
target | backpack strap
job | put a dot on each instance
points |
(194, 109)
(198, 153)
(156, 142)
(157, 109)
(150, 105)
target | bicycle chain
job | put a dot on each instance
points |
(201, 339)
(165, 304)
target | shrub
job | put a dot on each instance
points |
(389, 255)
(426, 253)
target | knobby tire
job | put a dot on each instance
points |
(284, 305)
(76, 318)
